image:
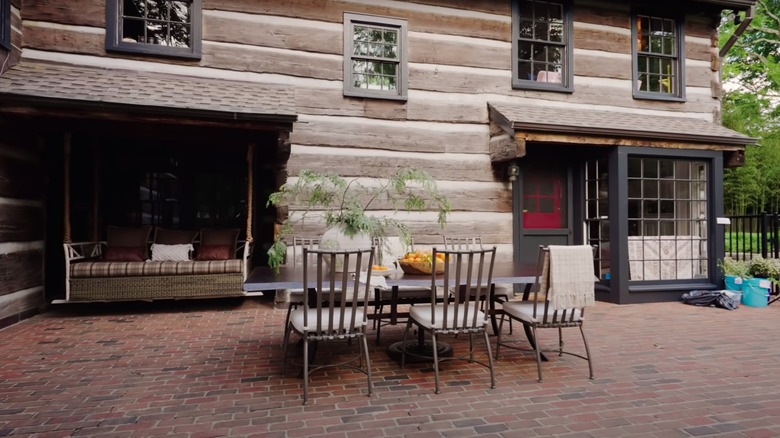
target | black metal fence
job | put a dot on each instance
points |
(752, 235)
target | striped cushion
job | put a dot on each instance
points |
(140, 269)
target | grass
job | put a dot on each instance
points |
(744, 242)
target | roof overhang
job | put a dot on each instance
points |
(66, 91)
(607, 128)
(740, 5)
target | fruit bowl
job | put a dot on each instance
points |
(421, 268)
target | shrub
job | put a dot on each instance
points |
(764, 268)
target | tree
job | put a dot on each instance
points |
(751, 74)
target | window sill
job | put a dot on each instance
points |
(541, 86)
(397, 97)
(658, 97)
(148, 50)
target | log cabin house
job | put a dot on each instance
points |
(546, 122)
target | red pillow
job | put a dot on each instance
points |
(124, 254)
(213, 252)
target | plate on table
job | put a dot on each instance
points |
(385, 271)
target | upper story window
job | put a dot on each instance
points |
(5, 24)
(375, 56)
(155, 27)
(658, 66)
(542, 45)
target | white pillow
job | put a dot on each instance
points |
(172, 253)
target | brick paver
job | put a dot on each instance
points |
(211, 369)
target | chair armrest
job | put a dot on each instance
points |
(83, 251)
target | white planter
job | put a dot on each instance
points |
(334, 238)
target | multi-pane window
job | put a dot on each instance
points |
(658, 45)
(667, 219)
(542, 45)
(160, 27)
(5, 24)
(597, 212)
(374, 56)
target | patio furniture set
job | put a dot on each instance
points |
(461, 300)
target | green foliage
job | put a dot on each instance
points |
(747, 242)
(764, 268)
(737, 268)
(346, 202)
(751, 70)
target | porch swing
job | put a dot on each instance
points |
(208, 263)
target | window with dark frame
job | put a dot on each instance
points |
(658, 43)
(542, 45)
(667, 218)
(375, 56)
(597, 212)
(155, 27)
(5, 24)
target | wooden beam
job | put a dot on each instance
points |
(506, 147)
(733, 159)
(622, 141)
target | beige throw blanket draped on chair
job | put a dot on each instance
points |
(571, 276)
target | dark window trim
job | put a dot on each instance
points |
(114, 41)
(679, 96)
(715, 165)
(5, 24)
(350, 19)
(568, 65)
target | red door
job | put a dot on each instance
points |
(544, 199)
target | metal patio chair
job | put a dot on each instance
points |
(469, 273)
(336, 309)
(563, 287)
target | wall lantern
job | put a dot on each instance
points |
(512, 171)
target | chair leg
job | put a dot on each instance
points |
(285, 342)
(290, 307)
(435, 361)
(305, 370)
(378, 324)
(560, 341)
(471, 347)
(364, 346)
(403, 344)
(537, 349)
(490, 360)
(498, 336)
(587, 352)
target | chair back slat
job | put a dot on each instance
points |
(337, 297)
(462, 242)
(468, 274)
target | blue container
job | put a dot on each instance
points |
(755, 292)
(733, 282)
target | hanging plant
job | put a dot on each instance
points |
(346, 202)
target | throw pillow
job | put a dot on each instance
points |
(129, 237)
(171, 253)
(213, 252)
(220, 237)
(124, 254)
(174, 237)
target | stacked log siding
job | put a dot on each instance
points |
(459, 59)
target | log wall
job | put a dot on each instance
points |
(459, 59)
(21, 229)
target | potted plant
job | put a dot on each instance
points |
(734, 272)
(764, 273)
(343, 204)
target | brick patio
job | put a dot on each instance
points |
(211, 369)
